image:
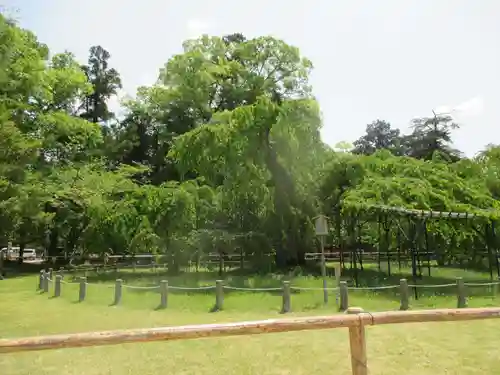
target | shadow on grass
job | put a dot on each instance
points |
(13, 269)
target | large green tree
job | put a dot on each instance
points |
(222, 154)
(105, 83)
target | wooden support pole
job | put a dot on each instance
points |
(461, 295)
(163, 294)
(219, 295)
(83, 289)
(357, 342)
(118, 292)
(404, 294)
(57, 286)
(286, 297)
(323, 270)
(344, 296)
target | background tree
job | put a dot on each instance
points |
(105, 83)
(433, 134)
(379, 136)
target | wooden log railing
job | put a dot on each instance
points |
(355, 320)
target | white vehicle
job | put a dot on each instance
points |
(28, 254)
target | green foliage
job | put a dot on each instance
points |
(222, 154)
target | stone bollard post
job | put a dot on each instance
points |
(41, 279)
(461, 295)
(57, 286)
(83, 289)
(404, 294)
(163, 294)
(46, 276)
(286, 297)
(344, 296)
(118, 292)
(219, 295)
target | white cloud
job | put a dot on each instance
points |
(196, 27)
(442, 109)
(471, 107)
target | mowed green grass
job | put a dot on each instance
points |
(426, 348)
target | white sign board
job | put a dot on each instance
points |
(321, 224)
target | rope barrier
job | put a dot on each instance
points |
(191, 288)
(297, 288)
(432, 285)
(140, 287)
(305, 288)
(252, 289)
(70, 282)
(228, 287)
(483, 284)
(374, 288)
(97, 284)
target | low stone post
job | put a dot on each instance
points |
(286, 297)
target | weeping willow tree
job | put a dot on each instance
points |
(382, 185)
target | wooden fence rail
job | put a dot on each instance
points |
(355, 320)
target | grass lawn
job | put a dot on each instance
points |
(427, 348)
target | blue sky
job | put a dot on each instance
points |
(386, 59)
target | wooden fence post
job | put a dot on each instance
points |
(357, 342)
(57, 286)
(41, 279)
(344, 296)
(163, 294)
(404, 294)
(46, 282)
(118, 292)
(83, 289)
(461, 298)
(286, 297)
(219, 295)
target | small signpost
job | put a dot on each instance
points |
(321, 226)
